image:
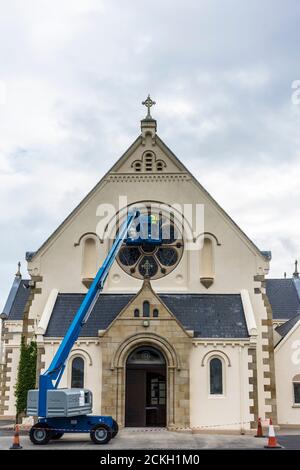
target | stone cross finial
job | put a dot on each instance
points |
(147, 266)
(148, 103)
(296, 273)
(18, 273)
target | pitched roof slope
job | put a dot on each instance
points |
(283, 295)
(105, 310)
(209, 315)
(17, 299)
(286, 327)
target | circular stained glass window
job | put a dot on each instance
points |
(129, 256)
(153, 261)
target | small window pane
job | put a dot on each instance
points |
(216, 377)
(297, 393)
(155, 313)
(136, 312)
(145, 355)
(146, 309)
(77, 380)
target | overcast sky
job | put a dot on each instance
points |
(73, 74)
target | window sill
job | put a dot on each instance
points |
(216, 396)
(296, 405)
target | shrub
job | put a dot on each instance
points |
(26, 374)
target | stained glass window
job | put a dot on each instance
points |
(148, 266)
(216, 376)
(77, 379)
(129, 256)
(167, 256)
(153, 261)
(297, 393)
(146, 309)
(296, 385)
(146, 355)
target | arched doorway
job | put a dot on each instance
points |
(146, 388)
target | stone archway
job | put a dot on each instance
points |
(146, 388)
(177, 380)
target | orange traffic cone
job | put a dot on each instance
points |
(16, 439)
(272, 440)
(259, 429)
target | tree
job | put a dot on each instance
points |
(26, 374)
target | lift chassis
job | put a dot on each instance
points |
(100, 428)
(61, 411)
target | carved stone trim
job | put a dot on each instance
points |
(87, 281)
(269, 348)
(143, 177)
(253, 395)
(207, 281)
(85, 235)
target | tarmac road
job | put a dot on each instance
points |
(131, 438)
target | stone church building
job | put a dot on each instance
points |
(183, 334)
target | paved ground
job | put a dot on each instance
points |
(157, 439)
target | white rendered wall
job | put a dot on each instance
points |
(90, 351)
(231, 410)
(287, 365)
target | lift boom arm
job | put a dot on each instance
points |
(50, 379)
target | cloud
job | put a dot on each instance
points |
(72, 79)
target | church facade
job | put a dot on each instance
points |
(182, 335)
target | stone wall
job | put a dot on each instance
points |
(164, 333)
(267, 341)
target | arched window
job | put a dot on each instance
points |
(296, 386)
(207, 264)
(146, 309)
(89, 267)
(136, 312)
(146, 355)
(77, 375)
(155, 313)
(137, 166)
(216, 376)
(148, 159)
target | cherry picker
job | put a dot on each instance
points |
(66, 410)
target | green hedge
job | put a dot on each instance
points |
(26, 374)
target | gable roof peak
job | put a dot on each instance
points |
(148, 124)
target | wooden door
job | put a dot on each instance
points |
(135, 410)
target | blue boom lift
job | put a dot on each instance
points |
(62, 411)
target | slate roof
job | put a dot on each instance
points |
(17, 299)
(105, 310)
(284, 329)
(267, 254)
(202, 313)
(209, 315)
(284, 297)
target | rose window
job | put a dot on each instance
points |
(153, 261)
